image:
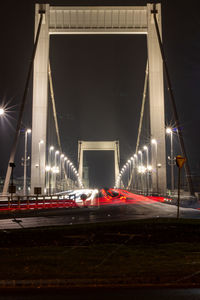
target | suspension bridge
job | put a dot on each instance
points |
(52, 172)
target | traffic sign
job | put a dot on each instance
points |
(180, 160)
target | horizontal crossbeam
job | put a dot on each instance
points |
(98, 145)
(98, 20)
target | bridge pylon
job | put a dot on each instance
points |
(97, 20)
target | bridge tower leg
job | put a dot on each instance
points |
(157, 109)
(80, 160)
(116, 159)
(40, 96)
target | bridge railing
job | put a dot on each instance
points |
(34, 202)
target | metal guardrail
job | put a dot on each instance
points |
(34, 202)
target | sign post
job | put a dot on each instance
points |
(180, 160)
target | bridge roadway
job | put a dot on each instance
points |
(133, 207)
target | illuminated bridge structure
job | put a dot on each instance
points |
(101, 20)
(97, 20)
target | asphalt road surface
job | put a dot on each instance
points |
(142, 209)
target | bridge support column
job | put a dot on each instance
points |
(40, 95)
(117, 160)
(156, 95)
(80, 160)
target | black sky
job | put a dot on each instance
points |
(99, 79)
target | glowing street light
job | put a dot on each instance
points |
(129, 171)
(147, 163)
(28, 131)
(169, 131)
(135, 167)
(55, 170)
(154, 142)
(141, 160)
(56, 153)
(47, 168)
(2, 111)
(62, 156)
(140, 170)
(41, 142)
(50, 176)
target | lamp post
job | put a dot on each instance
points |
(66, 171)
(61, 168)
(48, 171)
(25, 159)
(51, 149)
(129, 171)
(149, 170)
(147, 164)
(169, 131)
(136, 173)
(154, 142)
(39, 146)
(69, 169)
(140, 167)
(122, 173)
(132, 171)
(55, 172)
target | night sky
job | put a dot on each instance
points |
(98, 80)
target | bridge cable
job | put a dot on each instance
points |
(55, 114)
(54, 107)
(141, 116)
(22, 106)
(142, 107)
(173, 104)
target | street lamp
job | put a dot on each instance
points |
(136, 173)
(139, 169)
(48, 170)
(2, 111)
(66, 170)
(55, 168)
(61, 168)
(149, 170)
(147, 164)
(129, 170)
(69, 176)
(169, 131)
(140, 153)
(132, 172)
(154, 142)
(25, 159)
(39, 144)
(50, 161)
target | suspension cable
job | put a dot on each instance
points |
(141, 115)
(54, 107)
(142, 107)
(22, 106)
(54, 113)
(173, 103)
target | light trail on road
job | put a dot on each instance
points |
(120, 206)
